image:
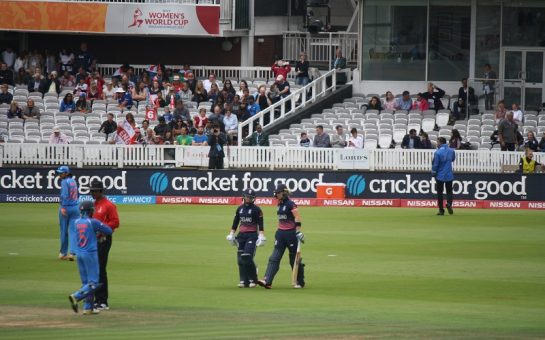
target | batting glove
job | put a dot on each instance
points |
(261, 239)
(232, 239)
(300, 236)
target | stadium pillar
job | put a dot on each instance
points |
(247, 42)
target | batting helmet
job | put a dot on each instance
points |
(249, 193)
(281, 188)
(87, 207)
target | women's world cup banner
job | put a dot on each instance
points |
(155, 19)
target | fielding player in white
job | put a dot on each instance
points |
(287, 236)
(250, 218)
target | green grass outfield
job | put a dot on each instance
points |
(371, 273)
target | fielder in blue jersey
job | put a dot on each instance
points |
(68, 212)
(250, 218)
(86, 246)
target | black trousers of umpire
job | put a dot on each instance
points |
(215, 163)
(101, 294)
(440, 186)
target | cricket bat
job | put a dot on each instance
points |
(296, 264)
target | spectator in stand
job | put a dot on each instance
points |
(36, 83)
(216, 118)
(425, 142)
(50, 62)
(68, 104)
(200, 94)
(67, 80)
(339, 63)
(148, 135)
(262, 99)
(14, 111)
(154, 89)
(6, 75)
(374, 104)
(21, 62)
(35, 61)
(52, 84)
(518, 116)
(180, 112)
(433, 96)
(466, 95)
(57, 137)
(230, 122)
(274, 94)
(321, 140)
(235, 105)
(259, 137)
(228, 87)
(184, 138)
(82, 74)
(404, 102)
(243, 85)
(200, 139)
(500, 111)
(185, 93)
(542, 143)
(507, 133)
(411, 140)
(389, 101)
(109, 126)
(301, 70)
(81, 87)
(139, 92)
(283, 87)
(31, 111)
(176, 127)
(214, 93)
(108, 93)
(216, 140)
(83, 105)
(172, 98)
(420, 103)
(304, 141)
(531, 142)
(191, 81)
(281, 68)
(169, 117)
(126, 82)
(455, 141)
(159, 100)
(201, 120)
(5, 96)
(489, 86)
(355, 141)
(84, 59)
(227, 97)
(338, 140)
(95, 77)
(94, 92)
(124, 98)
(9, 57)
(22, 78)
(66, 60)
(527, 164)
(161, 129)
(211, 80)
(252, 107)
(145, 79)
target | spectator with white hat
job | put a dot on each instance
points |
(57, 137)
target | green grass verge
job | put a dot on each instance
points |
(371, 273)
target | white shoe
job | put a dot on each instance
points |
(297, 286)
(101, 306)
(90, 311)
(241, 284)
(62, 256)
(251, 285)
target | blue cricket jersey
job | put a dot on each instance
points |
(87, 229)
(69, 192)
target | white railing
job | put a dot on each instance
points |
(320, 48)
(478, 161)
(221, 72)
(297, 99)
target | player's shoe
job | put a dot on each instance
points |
(73, 303)
(449, 208)
(251, 285)
(299, 285)
(264, 284)
(62, 256)
(240, 284)
(440, 213)
(69, 257)
(90, 311)
(101, 306)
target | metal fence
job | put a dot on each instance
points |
(395, 160)
(320, 48)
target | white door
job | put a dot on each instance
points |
(523, 77)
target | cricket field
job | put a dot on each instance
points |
(387, 273)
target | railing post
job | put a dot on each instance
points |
(120, 156)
